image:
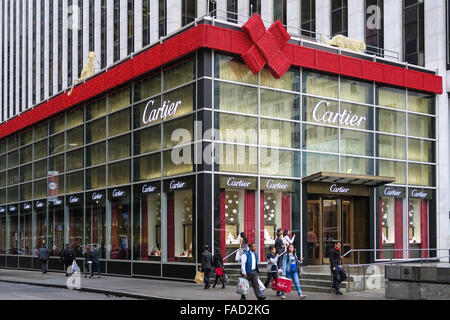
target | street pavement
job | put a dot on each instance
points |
(160, 289)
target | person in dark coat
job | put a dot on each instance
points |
(95, 260)
(218, 266)
(207, 265)
(279, 246)
(43, 257)
(87, 262)
(67, 257)
(336, 269)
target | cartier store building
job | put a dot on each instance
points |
(184, 146)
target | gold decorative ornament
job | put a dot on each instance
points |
(344, 42)
(88, 71)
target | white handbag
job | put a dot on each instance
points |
(262, 287)
(242, 287)
(238, 256)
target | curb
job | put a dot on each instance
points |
(93, 290)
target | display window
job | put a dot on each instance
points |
(26, 229)
(391, 203)
(237, 212)
(118, 224)
(95, 221)
(12, 229)
(39, 228)
(147, 222)
(418, 215)
(3, 230)
(180, 195)
(56, 227)
(74, 223)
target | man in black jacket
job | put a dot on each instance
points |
(207, 263)
(67, 257)
(336, 269)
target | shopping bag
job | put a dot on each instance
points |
(262, 287)
(341, 275)
(219, 271)
(284, 285)
(225, 279)
(75, 268)
(199, 277)
(238, 256)
(242, 287)
(274, 285)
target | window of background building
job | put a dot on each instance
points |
(339, 17)
(103, 34)
(375, 25)
(232, 9)
(116, 44)
(145, 22)
(280, 11)
(91, 25)
(60, 45)
(308, 17)
(212, 8)
(189, 10)
(80, 39)
(162, 18)
(50, 50)
(130, 14)
(255, 7)
(70, 20)
(414, 32)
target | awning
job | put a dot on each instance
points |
(341, 178)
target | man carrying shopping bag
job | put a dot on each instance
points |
(249, 270)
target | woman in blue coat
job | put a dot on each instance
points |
(291, 269)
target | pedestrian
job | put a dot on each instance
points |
(336, 269)
(279, 246)
(87, 254)
(95, 260)
(243, 244)
(43, 257)
(67, 257)
(291, 269)
(250, 270)
(218, 266)
(287, 239)
(272, 267)
(207, 265)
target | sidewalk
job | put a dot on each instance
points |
(162, 289)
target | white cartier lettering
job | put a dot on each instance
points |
(276, 186)
(57, 202)
(174, 185)
(392, 193)
(232, 182)
(419, 194)
(329, 117)
(97, 196)
(148, 189)
(74, 199)
(168, 109)
(12, 208)
(336, 189)
(39, 204)
(26, 206)
(2, 210)
(118, 193)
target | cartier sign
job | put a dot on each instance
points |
(420, 194)
(177, 185)
(148, 188)
(97, 196)
(322, 114)
(335, 189)
(2, 210)
(166, 110)
(118, 193)
(394, 192)
(238, 183)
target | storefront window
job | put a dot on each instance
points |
(234, 158)
(182, 99)
(26, 224)
(3, 181)
(26, 138)
(289, 81)
(179, 75)
(391, 97)
(418, 213)
(2, 162)
(233, 69)
(26, 154)
(235, 98)
(40, 149)
(57, 144)
(26, 173)
(96, 109)
(315, 162)
(147, 222)
(96, 154)
(26, 192)
(275, 104)
(74, 182)
(39, 226)
(57, 125)
(96, 221)
(96, 130)
(13, 142)
(119, 100)
(74, 160)
(56, 164)
(75, 138)
(235, 128)
(147, 140)
(147, 88)
(119, 122)
(278, 162)
(355, 116)
(320, 84)
(40, 187)
(119, 148)
(13, 194)
(13, 176)
(320, 111)
(2, 146)
(40, 132)
(179, 131)
(392, 169)
(3, 230)
(75, 118)
(148, 113)
(421, 175)
(356, 91)
(316, 138)
(119, 173)
(56, 229)
(96, 178)
(356, 143)
(279, 134)
(421, 126)
(13, 159)
(12, 227)
(359, 166)
(148, 167)
(421, 150)
(178, 161)
(74, 226)
(118, 225)
(391, 147)
(181, 219)
(422, 103)
(391, 121)
(40, 169)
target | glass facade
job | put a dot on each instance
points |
(119, 171)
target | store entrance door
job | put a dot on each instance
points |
(335, 219)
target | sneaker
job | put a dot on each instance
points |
(303, 296)
(283, 296)
(339, 293)
(262, 298)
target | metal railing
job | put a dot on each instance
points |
(389, 261)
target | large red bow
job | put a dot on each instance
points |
(267, 46)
